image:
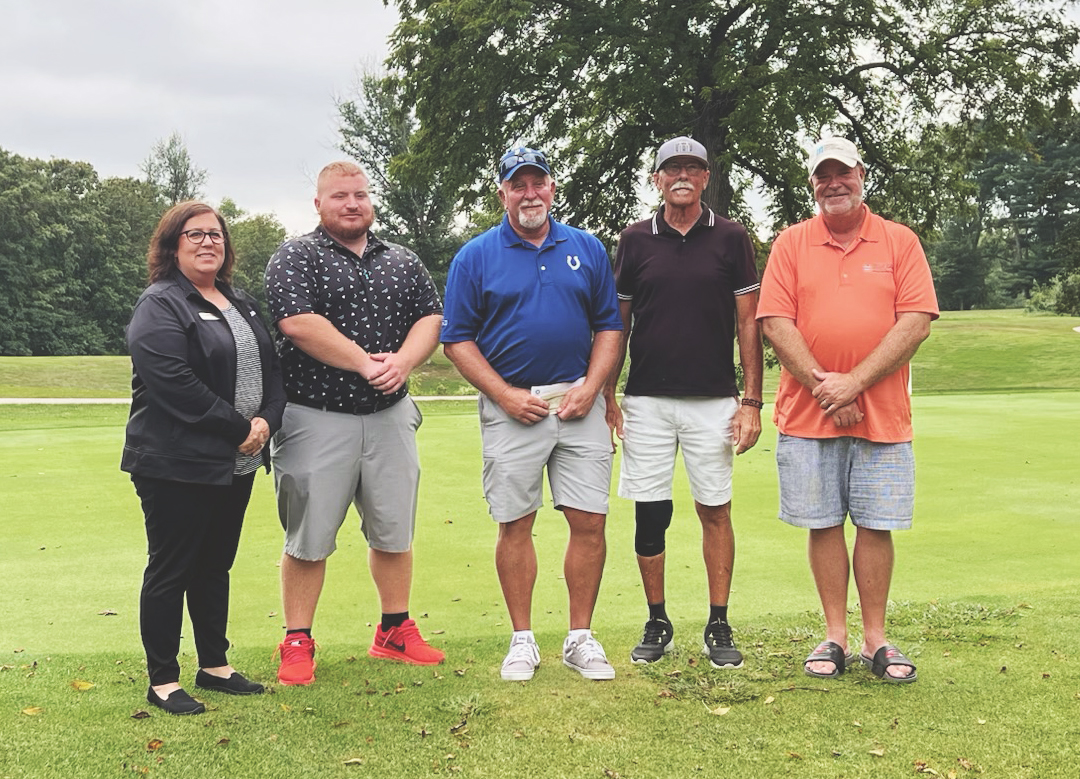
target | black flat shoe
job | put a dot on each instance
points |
(234, 685)
(178, 702)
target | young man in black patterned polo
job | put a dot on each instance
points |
(355, 316)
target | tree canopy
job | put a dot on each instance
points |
(73, 254)
(171, 172)
(1017, 225)
(255, 237)
(416, 206)
(600, 84)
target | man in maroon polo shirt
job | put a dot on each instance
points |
(685, 278)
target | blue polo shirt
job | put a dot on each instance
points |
(532, 311)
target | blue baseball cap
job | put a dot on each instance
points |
(519, 157)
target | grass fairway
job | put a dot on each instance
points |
(967, 352)
(985, 591)
(110, 377)
(998, 351)
(65, 377)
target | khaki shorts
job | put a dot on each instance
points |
(325, 460)
(656, 427)
(577, 454)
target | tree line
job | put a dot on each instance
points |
(1015, 238)
(73, 247)
(1006, 235)
(963, 110)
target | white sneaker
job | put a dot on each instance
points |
(521, 661)
(587, 657)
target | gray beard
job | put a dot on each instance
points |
(532, 222)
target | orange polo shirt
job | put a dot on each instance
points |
(844, 301)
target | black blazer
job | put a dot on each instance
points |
(182, 425)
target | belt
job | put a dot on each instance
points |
(357, 409)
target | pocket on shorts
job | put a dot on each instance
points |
(417, 415)
(483, 404)
(277, 440)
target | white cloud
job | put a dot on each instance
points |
(249, 84)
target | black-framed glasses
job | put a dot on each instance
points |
(196, 236)
(520, 156)
(675, 168)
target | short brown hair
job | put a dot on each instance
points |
(161, 256)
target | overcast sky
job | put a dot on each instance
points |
(249, 84)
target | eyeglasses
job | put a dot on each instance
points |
(519, 156)
(196, 236)
(675, 168)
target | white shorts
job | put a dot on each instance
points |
(654, 429)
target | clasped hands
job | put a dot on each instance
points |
(257, 437)
(388, 372)
(837, 395)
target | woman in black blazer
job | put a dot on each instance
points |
(206, 395)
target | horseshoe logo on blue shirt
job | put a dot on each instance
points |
(573, 261)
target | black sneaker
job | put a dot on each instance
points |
(655, 643)
(720, 647)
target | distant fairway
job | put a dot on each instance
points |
(967, 352)
(998, 351)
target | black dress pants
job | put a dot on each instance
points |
(192, 533)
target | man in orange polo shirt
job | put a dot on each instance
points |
(846, 299)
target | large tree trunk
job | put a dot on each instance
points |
(714, 136)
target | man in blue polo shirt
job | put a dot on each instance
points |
(531, 319)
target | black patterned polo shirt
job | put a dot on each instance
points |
(373, 299)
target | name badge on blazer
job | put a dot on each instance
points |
(209, 316)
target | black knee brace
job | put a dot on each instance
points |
(652, 519)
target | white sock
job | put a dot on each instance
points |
(524, 634)
(579, 635)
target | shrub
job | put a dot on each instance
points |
(1060, 295)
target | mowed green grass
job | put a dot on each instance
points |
(984, 589)
(998, 351)
(65, 377)
(967, 352)
(110, 377)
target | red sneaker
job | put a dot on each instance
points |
(405, 643)
(297, 659)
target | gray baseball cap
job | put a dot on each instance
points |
(683, 146)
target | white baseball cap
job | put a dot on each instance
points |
(840, 149)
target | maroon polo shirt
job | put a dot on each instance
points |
(682, 292)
